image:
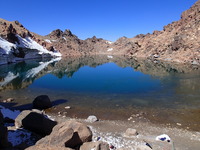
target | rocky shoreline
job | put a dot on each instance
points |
(41, 130)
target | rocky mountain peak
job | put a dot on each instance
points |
(67, 32)
(56, 33)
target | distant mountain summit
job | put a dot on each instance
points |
(177, 42)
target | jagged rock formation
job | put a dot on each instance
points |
(70, 45)
(178, 41)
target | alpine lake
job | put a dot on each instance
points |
(110, 87)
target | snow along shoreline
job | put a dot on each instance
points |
(30, 48)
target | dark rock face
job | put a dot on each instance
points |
(42, 102)
(38, 123)
(3, 134)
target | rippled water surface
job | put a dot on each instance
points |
(109, 87)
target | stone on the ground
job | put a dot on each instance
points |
(8, 100)
(142, 147)
(37, 123)
(92, 119)
(68, 134)
(44, 147)
(95, 146)
(42, 102)
(3, 133)
(131, 132)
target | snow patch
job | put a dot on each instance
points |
(110, 49)
(5, 46)
(64, 38)
(19, 136)
(9, 113)
(109, 42)
(30, 43)
(109, 56)
(47, 40)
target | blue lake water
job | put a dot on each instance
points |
(111, 88)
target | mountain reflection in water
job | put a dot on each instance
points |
(110, 87)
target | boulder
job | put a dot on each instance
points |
(1, 117)
(42, 102)
(22, 115)
(44, 147)
(38, 123)
(95, 146)
(92, 119)
(131, 132)
(68, 134)
(3, 134)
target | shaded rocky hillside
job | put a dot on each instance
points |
(177, 42)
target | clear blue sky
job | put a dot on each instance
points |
(108, 19)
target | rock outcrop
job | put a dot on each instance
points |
(178, 41)
(69, 134)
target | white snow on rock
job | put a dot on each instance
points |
(109, 42)
(47, 40)
(10, 76)
(30, 43)
(9, 113)
(5, 46)
(19, 136)
(110, 49)
(109, 56)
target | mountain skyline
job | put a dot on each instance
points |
(105, 19)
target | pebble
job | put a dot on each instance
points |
(178, 124)
(92, 119)
(112, 147)
(67, 107)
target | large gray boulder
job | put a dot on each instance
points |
(95, 146)
(36, 122)
(70, 134)
(42, 102)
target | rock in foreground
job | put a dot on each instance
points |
(69, 134)
(42, 102)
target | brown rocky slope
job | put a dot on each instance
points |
(177, 42)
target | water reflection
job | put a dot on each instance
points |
(20, 75)
(110, 87)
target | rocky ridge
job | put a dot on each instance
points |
(177, 42)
